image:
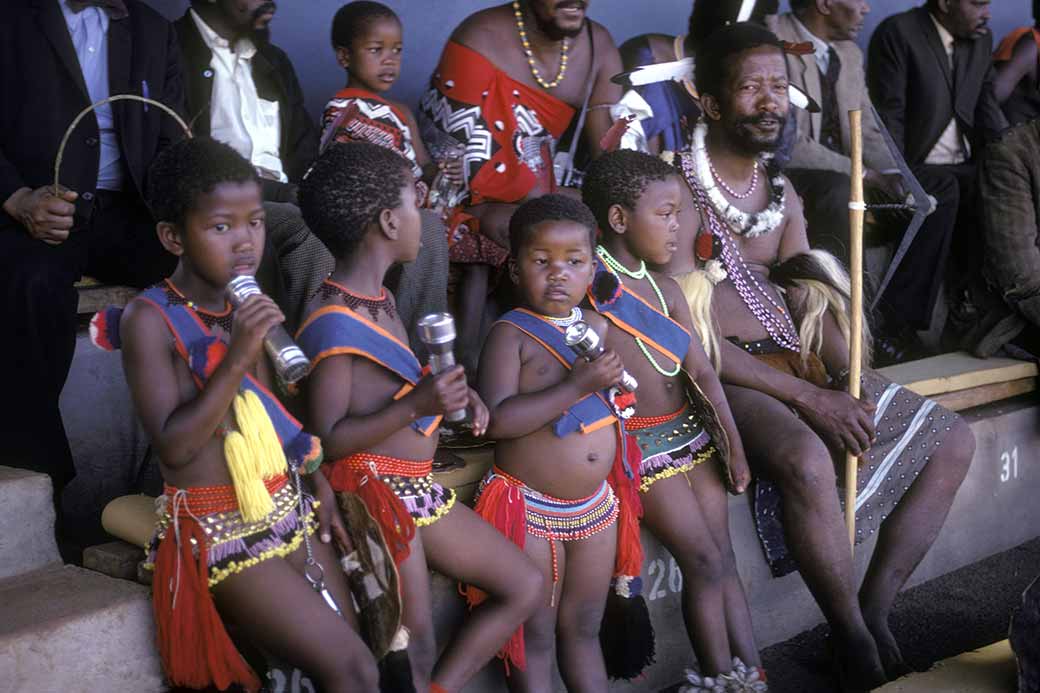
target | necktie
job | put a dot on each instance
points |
(830, 126)
(116, 8)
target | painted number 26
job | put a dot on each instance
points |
(1009, 465)
(665, 577)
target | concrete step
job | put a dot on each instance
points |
(67, 629)
(991, 669)
(27, 521)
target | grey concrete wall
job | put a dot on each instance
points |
(302, 29)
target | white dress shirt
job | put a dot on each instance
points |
(88, 29)
(821, 49)
(951, 148)
(238, 116)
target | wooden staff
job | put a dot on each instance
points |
(856, 210)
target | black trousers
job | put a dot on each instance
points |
(117, 244)
(910, 297)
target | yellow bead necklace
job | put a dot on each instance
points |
(530, 54)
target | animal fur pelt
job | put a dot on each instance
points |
(817, 284)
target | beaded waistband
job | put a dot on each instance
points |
(384, 465)
(206, 500)
(532, 493)
(635, 423)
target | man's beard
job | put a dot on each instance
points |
(742, 138)
(554, 32)
(261, 36)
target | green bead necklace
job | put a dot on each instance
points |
(640, 273)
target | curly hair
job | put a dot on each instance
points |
(354, 18)
(620, 178)
(346, 190)
(189, 168)
(547, 208)
(715, 57)
(708, 16)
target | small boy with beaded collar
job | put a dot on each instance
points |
(559, 487)
(682, 418)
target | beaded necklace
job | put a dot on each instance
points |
(696, 164)
(725, 186)
(640, 273)
(374, 304)
(210, 319)
(566, 322)
(781, 329)
(564, 47)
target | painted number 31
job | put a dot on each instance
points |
(1009, 465)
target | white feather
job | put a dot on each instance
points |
(745, 10)
(677, 70)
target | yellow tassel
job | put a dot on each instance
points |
(254, 423)
(254, 502)
(253, 454)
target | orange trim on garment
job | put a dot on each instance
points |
(585, 429)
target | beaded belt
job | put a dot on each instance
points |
(384, 465)
(635, 423)
(560, 519)
(206, 500)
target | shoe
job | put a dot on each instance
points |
(898, 346)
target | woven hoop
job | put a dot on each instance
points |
(92, 107)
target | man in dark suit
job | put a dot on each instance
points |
(1008, 296)
(56, 58)
(931, 79)
(242, 90)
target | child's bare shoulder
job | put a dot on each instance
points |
(670, 289)
(142, 325)
(595, 320)
(504, 339)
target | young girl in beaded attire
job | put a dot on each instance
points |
(690, 445)
(378, 413)
(235, 521)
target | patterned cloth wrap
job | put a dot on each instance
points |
(671, 444)
(232, 544)
(509, 130)
(909, 428)
(358, 115)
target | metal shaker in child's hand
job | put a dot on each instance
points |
(290, 363)
(587, 344)
(437, 332)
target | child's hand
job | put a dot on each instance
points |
(738, 475)
(252, 321)
(452, 170)
(441, 393)
(479, 415)
(330, 521)
(597, 375)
